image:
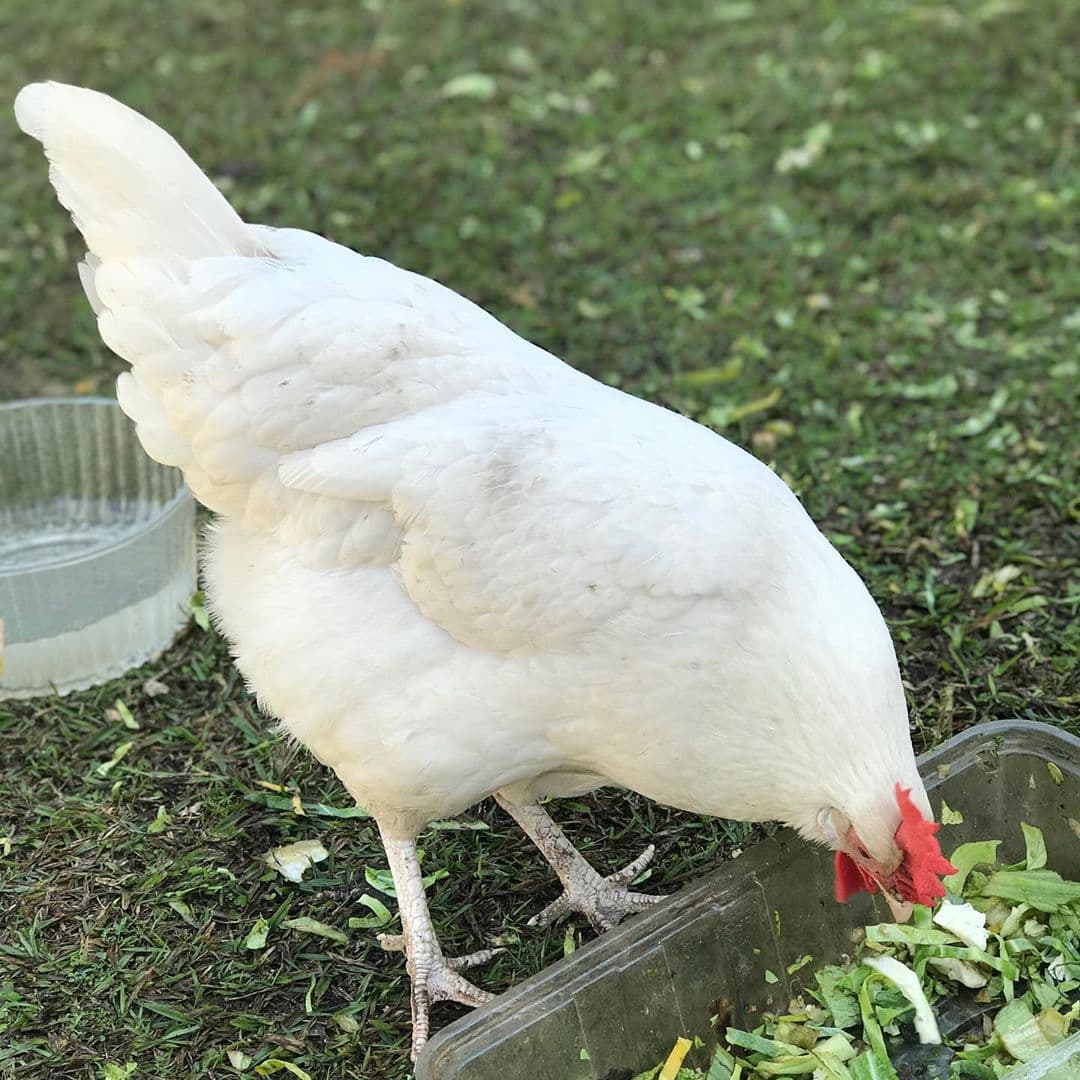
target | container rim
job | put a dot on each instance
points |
(177, 502)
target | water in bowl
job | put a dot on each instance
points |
(34, 535)
(97, 547)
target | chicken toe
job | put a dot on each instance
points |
(604, 901)
(434, 977)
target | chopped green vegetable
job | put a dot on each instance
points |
(837, 1046)
(964, 922)
(797, 1035)
(961, 972)
(320, 929)
(871, 1066)
(273, 1065)
(1025, 1035)
(1010, 934)
(769, 1047)
(257, 935)
(1042, 889)
(1036, 848)
(380, 914)
(965, 858)
(838, 996)
(907, 982)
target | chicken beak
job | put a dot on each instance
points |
(901, 909)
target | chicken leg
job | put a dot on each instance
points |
(604, 901)
(434, 976)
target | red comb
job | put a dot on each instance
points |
(919, 876)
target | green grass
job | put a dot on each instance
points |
(894, 325)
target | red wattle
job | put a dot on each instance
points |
(851, 878)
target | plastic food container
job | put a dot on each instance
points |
(626, 996)
(97, 547)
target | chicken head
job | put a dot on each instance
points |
(908, 873)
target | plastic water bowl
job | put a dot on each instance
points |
(97, 547)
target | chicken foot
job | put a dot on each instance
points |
(434, 977)
(604, 901)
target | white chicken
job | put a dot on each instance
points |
(453, 566)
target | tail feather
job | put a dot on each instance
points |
(130, 187)
(249, 345)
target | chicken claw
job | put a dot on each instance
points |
(434, 977)
(604, 901)
(396, 943)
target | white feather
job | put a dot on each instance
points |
(117, 172)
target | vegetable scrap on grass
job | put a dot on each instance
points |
(1001, 950)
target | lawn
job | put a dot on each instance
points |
(844, 234)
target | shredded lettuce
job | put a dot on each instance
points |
(1007, 936)
(964, 922)
(907, 982)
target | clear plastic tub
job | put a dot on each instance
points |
(624, 997)
(97, 547)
